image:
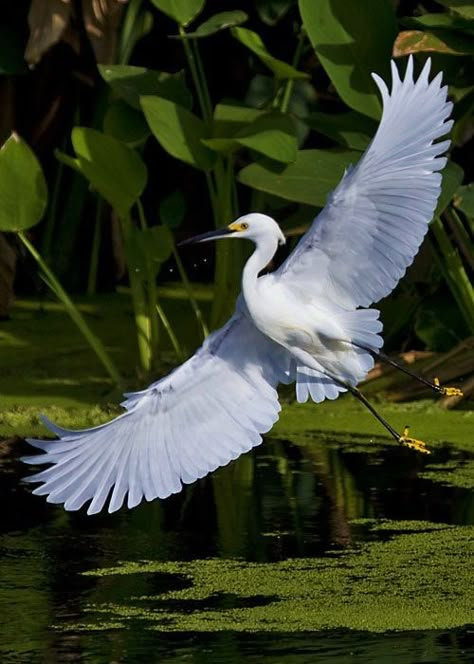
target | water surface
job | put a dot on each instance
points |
(334, 548)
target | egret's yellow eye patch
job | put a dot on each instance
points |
(238, 226)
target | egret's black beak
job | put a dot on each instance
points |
(205, 237)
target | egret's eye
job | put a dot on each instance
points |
(244, 226)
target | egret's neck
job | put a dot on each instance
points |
(264, 251)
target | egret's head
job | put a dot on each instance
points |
(253, 226)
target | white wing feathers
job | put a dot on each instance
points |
(362, 242)
(204, 414)
(217, 404)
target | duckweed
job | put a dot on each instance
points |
(415, 580)
(452, 473)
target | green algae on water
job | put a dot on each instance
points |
(346, 417)
(416, 580)
(454, 473)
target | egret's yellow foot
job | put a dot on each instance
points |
(448, 391)
(413, 443)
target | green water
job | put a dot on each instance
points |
(326, 544)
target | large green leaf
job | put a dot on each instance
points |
(126, 124)
(181, 11)
(443, 21)
(270, 134)
(23, 191)
(351, 129)
(230, 118)
(452, 176)
(351, 40)
(315, 173)
(218, 22)
(114, 170)
(449, 42)
(131, 83)
(308, 180)
(253, 42)
(178, 131)
(464, 8)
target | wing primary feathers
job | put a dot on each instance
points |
(382, 206)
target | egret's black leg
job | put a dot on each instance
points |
(435, 386)
(403, 438)
(358, 395)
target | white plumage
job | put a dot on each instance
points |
(300, 323)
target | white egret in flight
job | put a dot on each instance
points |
(307, 322)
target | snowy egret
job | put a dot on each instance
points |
(307, 322)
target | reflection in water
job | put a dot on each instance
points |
(282, 501)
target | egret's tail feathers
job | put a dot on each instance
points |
(312, 383)
(363, 327)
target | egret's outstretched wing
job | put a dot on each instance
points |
(373, 224)
(204, 414)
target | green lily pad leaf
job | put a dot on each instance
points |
(131, 83)
(253, 42)
(218, 22)
(181, 11)
(23, 190)
(435, 41)
(308, 180)
(464, 8)
(126, 124)
(229, 119)
(464, 199)
(173, 209)
(270, 134)
(113, 169)
(178, 131)
(452, 176)
(442, 21)
(273, 135)
(352, 40)
(221, 145)
(351, 129)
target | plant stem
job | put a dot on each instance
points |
(142, 320)
(189, 291)
(228, 255)
(126, 37)
(151, 288)
(461, 235)
(286, 96)
(194, 73)
(453, 271)
(76, 316)
(202, 81)
(52, 212)
(92, 278)
(167, 325)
